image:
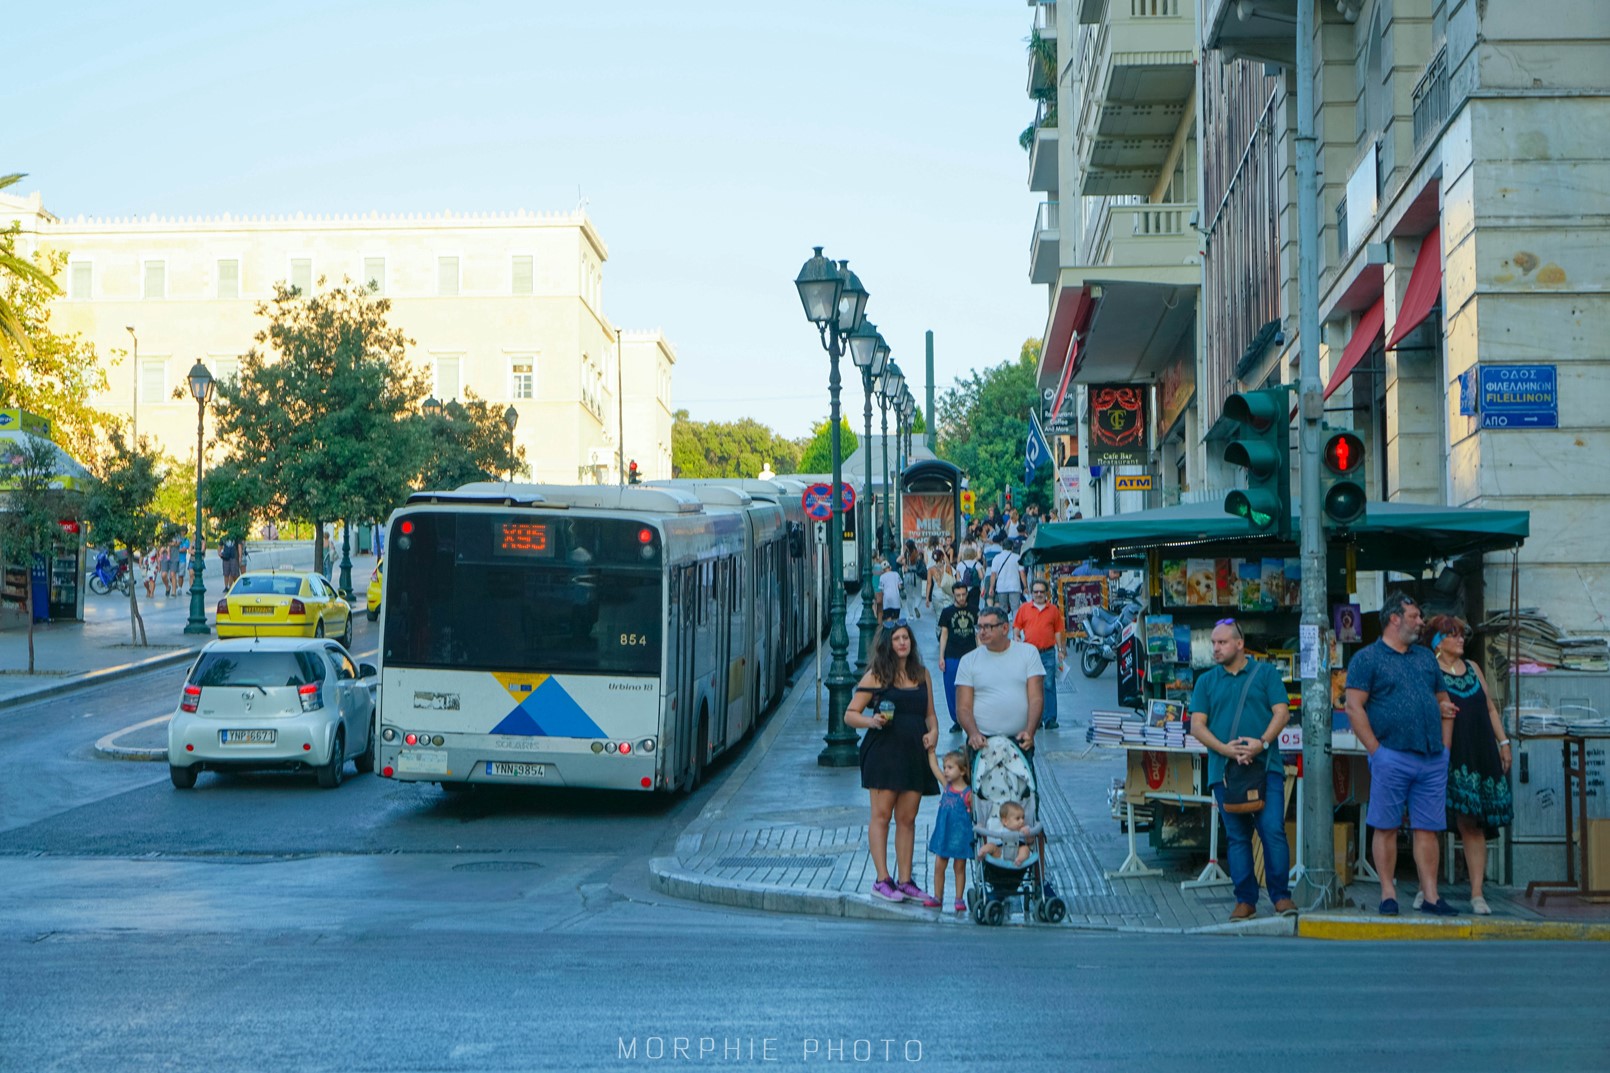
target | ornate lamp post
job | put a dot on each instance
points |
(511, 417)
(905, 410)
(201, 391)
(865, 347)
(835, 302)
(894, 385)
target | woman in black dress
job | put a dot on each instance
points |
(894, 704)
(1479, 797)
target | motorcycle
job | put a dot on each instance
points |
(108, 575)
(1098, 645)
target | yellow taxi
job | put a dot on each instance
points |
(281, 603)
(376, 583)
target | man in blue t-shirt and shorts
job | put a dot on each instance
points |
(1396, 702)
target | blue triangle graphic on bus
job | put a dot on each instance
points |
(518, 722)
(549, 712)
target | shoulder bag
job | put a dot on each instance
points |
(1244, 784)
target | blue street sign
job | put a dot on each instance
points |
(1519, 396)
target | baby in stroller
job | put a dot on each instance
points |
(1010, 864)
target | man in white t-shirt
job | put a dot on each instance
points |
(1006, 578)
(889, 593)
(1000, 685)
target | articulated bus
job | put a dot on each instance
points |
(581, 636)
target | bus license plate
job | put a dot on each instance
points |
(520, 771)
(246, 737)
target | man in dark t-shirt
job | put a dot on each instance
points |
(957, 637)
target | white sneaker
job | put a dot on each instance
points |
(1419, 900)
(1479, 906)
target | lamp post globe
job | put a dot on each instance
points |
(819, 284)
(201, 388)
(852, 300)
(431, 407)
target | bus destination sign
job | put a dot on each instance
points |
(524, 539)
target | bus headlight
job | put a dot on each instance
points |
(646, 745)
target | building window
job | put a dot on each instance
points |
(447, 276)
(153, 380)
(302, 274)
(225, 368)
(81, 280)
(447, 377)
(374, 274)
(229, 279)
(156, 279)
(524, 275)
(522, 378)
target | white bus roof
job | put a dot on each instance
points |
(590, 496)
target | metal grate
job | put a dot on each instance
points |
(774, 862)
(496, 866)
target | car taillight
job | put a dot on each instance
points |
(298, 608)
(223, 607)
(191, 699)
(312, 697)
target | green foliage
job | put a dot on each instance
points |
(29, 471)
(919, 424)
(175, 501)
(328, 427)
(1043, 53)
(120, 507)
(728, 448)
(230, 496)
(46, 373)
(817, 456)
(468, 442)
(984, 423)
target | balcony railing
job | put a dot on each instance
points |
(1431, 100)
(1341, 229)
(1130, 232)
(1046, 218)
(1045, 245)
(1045, 19)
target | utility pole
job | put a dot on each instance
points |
(620, 406)
(1317, 890)
(929, 434)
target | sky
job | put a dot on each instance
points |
(712, 143)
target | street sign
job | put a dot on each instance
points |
(1133, 482)
(1519, 396)
(821, 532)
(846, 498)
(817, 499)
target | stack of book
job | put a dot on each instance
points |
(1584, 654)
(1107, 728)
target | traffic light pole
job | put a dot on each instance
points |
(1317, 887)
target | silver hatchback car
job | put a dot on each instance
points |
(274, 702)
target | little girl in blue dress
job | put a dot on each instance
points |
(952, 840)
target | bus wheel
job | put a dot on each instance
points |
(700, 746)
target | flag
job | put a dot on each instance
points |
(1037, 452)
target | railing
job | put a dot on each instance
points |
(1045, 19)
(1045, 219)
(1154, 9)
(1341, 228)
(1154, 220)
(1431, 99)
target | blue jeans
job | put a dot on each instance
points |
(950, 685)
(1270, 823)
(1048, 660)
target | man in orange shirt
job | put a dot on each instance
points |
(1039, 622)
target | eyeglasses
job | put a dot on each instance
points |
(990, 625)
(1038, 592)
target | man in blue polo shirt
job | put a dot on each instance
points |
(1396, 702)
(1238, 709)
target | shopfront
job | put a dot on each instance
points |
(53, 583)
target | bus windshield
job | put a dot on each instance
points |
(485, 590)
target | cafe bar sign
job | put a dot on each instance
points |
(1118, 424)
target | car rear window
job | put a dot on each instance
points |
(266, 585)
(266, 669)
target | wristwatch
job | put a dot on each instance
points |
(1504, 743)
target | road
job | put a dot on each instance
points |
(261, 923)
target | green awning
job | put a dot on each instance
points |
(1393, 536)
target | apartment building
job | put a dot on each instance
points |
(647, 359)
(509, 306)
(1114, 148)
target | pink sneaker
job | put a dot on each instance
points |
(885, 889)
(961, 905)
(916, 894)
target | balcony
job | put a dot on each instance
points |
(1252, 29)
(1043, 50)
(1140, 70)
(1431, 100)
(1043, 160)
(1146, 241)
(1045, 245)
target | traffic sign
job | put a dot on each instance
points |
(817, 499)
(1133, 482)
(846, 498)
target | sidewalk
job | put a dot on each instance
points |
(786, 835)
(71, 655)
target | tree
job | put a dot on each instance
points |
(34, 508)
(817, 453)
(919, 424)
(120, 507)
(54, 376)
(728, 448)
(468, 442)
(984, 422)
(322, 420)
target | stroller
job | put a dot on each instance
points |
(1001, 773)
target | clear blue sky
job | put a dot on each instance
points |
(714, 143)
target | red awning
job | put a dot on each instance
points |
(1070, 317)
(1364, 337)
(1425, 287)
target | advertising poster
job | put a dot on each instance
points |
(1118, 425)
(924, 516)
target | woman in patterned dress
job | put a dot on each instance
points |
(1479, 796)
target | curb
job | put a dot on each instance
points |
(105, 747)
(1339, 927)
(99, 677)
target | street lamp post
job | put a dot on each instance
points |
(865, 346)
(835, 302)
(511, 417)
(620, 410)
(893, 387)
(905, 411)
(883, 422)
(134, 389)
(201, 391)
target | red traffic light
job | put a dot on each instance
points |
(1344, 453)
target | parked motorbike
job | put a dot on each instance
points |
(1098, 646)
(108, 575)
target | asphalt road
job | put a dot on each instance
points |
(261, 923)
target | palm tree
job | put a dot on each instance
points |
(15, 270)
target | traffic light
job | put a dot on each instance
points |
(1342, 477)
(632, 476)
(1260, 443)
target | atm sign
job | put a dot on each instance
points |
(1131, 483)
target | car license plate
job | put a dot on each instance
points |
(519, 771)
(257, 610)
(246, 737)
